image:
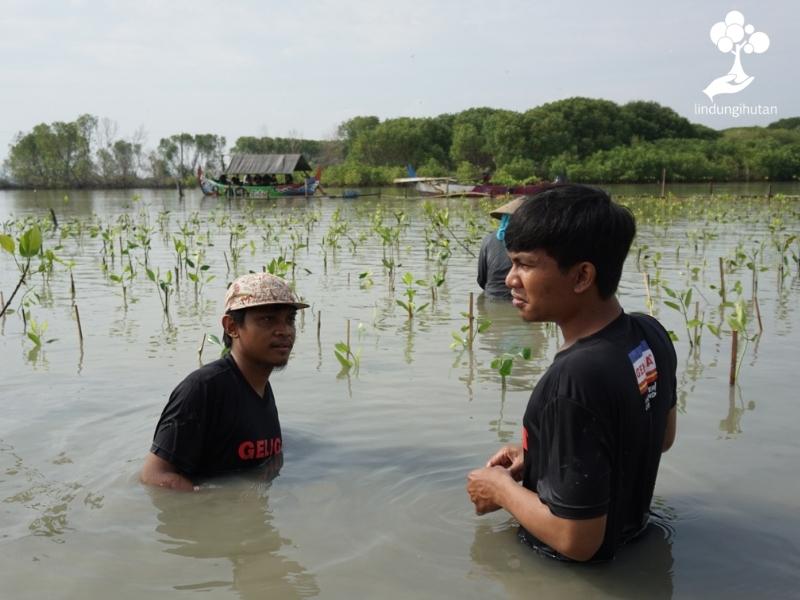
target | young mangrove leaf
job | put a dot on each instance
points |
(7, 243)
(31, 242)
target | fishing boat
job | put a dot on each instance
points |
(262, 176)
(447, 186)
(439, 186)
(494, 189)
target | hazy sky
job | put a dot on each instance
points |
(302, 67)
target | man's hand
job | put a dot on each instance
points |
(159, 472)
(510, 458)
(485, 488)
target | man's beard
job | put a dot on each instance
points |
(279, 366)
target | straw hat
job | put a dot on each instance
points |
(508, 208)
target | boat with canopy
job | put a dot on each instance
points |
(262, 176)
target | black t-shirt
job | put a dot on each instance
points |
(594, 428)
(214, 422)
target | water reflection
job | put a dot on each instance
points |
(641, 569)
(732, 423)
(408, 349)
(509, 334)
(232, 520)
(505, 429)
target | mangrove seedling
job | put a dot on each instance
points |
(36, 331)
(390, 266)
(504, 363)
(30, 243)
(460, 340)
(120, 279)
(409, 304)
(279, 267)
(683, 300)
(737, 322)
(162, 285)
(223, 350)
(199, 277)
(347, 358)
(440, 220)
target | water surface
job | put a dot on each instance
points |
(370, 501)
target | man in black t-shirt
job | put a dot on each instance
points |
(600, 417)
(223, 417)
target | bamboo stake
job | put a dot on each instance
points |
(16, 289)
(348, 335)
(471, 319)
(734, 353)
(78, 319)
(647, 291)
(663, 180)
(200, 349)
(319, 323)
(72, 286)
(722, 278)
(758, 315)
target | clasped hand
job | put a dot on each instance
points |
(485, 486)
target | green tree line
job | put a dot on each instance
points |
(591, 140)
(586, 139)
(87, 152)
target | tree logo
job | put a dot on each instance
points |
(733, 36)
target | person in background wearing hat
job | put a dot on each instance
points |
(222, 417)
(493, 261)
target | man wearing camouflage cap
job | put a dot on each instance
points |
(222, 417)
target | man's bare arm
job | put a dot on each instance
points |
(159, 472)
(578, 539)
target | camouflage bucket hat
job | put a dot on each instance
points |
(259, 289)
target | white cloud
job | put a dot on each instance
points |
(232, 67)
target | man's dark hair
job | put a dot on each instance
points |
(575, 223)
(238, 318)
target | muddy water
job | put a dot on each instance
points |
(370, 501)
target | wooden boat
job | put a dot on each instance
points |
(493, 189)
(447, 186)
(262, 176)
(439, 186)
